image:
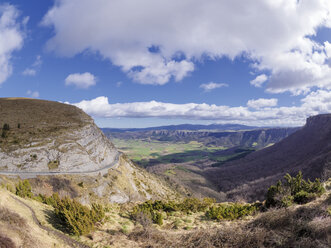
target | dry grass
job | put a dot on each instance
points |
(31, 119)
(11, 218)
(16, 223)
(6, 242)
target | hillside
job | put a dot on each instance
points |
(29, 222)
(60, 148)
(308, 150)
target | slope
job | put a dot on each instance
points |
(308, 150)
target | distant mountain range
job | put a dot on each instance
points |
(193, 127)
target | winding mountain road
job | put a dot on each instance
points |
(53, 173)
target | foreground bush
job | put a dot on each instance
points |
(77, 218)
(293, 189)
(232, 211)
(152, 209)
(23, 189)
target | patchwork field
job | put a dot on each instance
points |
(147, 153)
(181, 164)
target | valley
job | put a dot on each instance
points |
(76, 186)
(182, 157)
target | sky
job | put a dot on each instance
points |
(130, 63)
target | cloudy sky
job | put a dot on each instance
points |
(137, 63)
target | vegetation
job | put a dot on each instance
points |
(52, 165)
(76, 218)
(23, 189)
(232, 211)
(153, 209)
(293, 190)
(5, 129)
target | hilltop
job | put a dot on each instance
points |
(61, 149)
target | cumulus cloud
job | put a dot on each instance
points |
(211, 86)
(81, 80)
(33, 94)
(260, 112)
(262, 103)
(259, 80)
(274, 35)
(11, 38)
(32, 70)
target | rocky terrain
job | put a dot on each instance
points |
(59, 147)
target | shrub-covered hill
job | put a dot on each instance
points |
(182, 223)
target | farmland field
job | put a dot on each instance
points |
(181, 164)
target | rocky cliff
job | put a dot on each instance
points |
(48, 136)
(60, 149)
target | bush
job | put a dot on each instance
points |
(23, 189)
(152, 209)
(5, 129)
(76, 218)
(294, 189)
(231, 211)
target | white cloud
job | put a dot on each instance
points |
(11, 38)
(262, 103)
(32, 70)
(33, 94)
(275, 35)
(211, 86)
(81, 80)
(259, 80)
(119, 84)
(261, 112)
(29, 72)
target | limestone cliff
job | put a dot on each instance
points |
(59, 147)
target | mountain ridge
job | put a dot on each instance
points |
(306, 150)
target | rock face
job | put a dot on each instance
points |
(307, 150)
(51, 141)
(61, 150)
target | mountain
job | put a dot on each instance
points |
(258, 138)
(183, 127)
(60, 148)
(307, 150)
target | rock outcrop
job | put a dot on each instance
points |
(60, 149)
(51, 141)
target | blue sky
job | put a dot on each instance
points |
(147, 63)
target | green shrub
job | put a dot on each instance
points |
(23, 189)
(153, 209)
(231, 211)
(5, 129)
(76, 218)
(157, 218)
(294, 189)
